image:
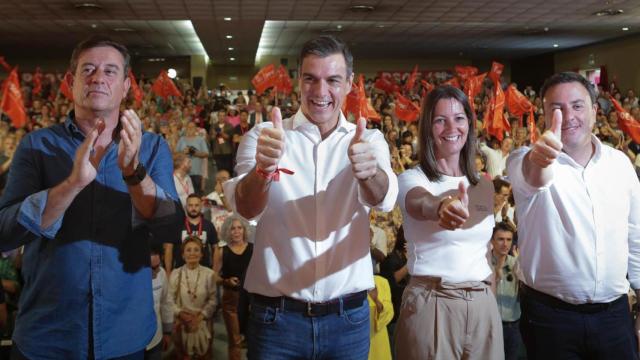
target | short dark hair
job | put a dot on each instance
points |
(193, 196)
(498, 184)
(99, 41)
(503, 226)
(327, 45)
(426, 143)
(568, 77)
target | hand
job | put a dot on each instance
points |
(271, 144)
(361, 154)
(545, 151)
(166, 340)
(454, 211)
(86, 163)
(130, 140)
(233, 281)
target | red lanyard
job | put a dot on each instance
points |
(185, 186)
(187, 224)
(243, 129)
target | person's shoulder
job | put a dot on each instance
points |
(413, 173)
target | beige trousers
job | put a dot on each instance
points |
(448, 321)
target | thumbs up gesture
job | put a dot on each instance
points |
(454, 210)
(270, 144)
(545, 151)
(361, 154)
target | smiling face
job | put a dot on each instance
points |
(578, 114)
(450, 128)
(502, 241)
(99, 82)
(192, 253)
(236, 232)
(324, 84)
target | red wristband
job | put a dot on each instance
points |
(275, 176)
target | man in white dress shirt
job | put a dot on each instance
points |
(578, 205)
(310, 181)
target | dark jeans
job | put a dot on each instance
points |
(16, 354)
(555, 331)
(276, 334)
(512, 339)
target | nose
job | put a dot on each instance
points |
(319, 87)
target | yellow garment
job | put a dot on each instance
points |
(380, 348)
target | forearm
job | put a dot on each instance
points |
(374, 189)
(252, 194)
(401, 274)
(202, 154)
(143, 197)
(59, 199)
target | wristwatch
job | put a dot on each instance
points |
(138, 175)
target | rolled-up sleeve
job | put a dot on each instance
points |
(384, 162)
(30, 215)
(516, 174)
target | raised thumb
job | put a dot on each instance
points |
(361, 125)
(463, 195)
(556, 123)
(276, 117)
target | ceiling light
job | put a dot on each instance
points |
(123, 29)
(172, 73)
(94, 26)
(232, 59)
(87, 6)
(380, 26)
(556, 45)
(362, 8)
(339, 26)
(625, 29)
(227, 19)
(608, 12)
(230, 49)
(229, 36)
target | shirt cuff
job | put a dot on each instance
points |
(165, 207)
(389, 200)
(30, 215)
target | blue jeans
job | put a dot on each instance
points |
(512, 339)
(274, 334)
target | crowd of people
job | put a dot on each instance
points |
(452, 175)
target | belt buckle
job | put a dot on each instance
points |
(310, 312)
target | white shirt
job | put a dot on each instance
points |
(312, 239)
(578, 233)
(496, 161)
(379, 241)
(161, 306)
(455, 256)
(184, 187)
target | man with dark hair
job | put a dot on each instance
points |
(311, 266)
(83, 197)
(506, 271)
(194, 224)
(578, 205)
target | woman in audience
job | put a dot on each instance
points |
(231, 262)
(193, 293)
(448, 219)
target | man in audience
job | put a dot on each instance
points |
(82, 198)
(578, 205)
(310, 182)
(497, 158)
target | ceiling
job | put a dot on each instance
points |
(393, 29)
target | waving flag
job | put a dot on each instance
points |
(11, 102)
(626, 122)
(406, 110)
(164, 87)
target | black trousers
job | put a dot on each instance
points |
(552, 329)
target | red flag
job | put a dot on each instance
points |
(626, 122)
(135, 89)
(164, 87)
(518, 104)
(427, 87)
(386, 83)
(472, 87)
(406, 110)
(11, 102)
(496, 71)
(453, 82)
(357, 103)
(4, 64)
(37, 82)
(465, 72)
(411, 81)
(65, 87)
(283, 82)
(265, 78)
(494, 120)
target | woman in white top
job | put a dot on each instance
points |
(181, 178)
(448, 310)
(192, 289)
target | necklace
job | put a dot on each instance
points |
(192, 292)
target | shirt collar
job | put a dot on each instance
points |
(70, 125)
(301, 121)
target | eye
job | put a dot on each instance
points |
(578, 107)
